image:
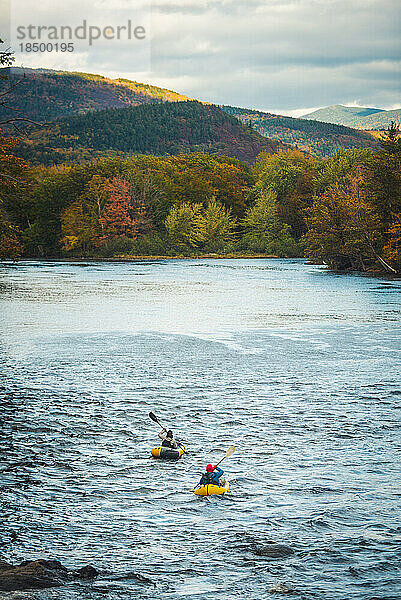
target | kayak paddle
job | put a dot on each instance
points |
(229, 453)
(156, 420)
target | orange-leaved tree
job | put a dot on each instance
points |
(392, 249)
(117, 218)
(106, 210)
(10, 237)
(15, 199)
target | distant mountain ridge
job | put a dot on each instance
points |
(358, 117)
(316, 137)
(46, 95)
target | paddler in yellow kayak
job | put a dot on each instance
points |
(213, 476)
(212, 481)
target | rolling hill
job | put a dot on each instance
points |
(358, 117)
(315, 137)
(45, 95)
(162, 128)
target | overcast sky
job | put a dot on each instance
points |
(277, 55)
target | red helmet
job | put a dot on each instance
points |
(209, 468)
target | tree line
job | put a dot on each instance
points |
(344, 210)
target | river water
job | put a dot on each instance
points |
(296, 366)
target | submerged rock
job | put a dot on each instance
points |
(143, 579)
(273, 550)
(37, 574)
(263, 546)
(281, 588)
(136, 576)
(87, 572)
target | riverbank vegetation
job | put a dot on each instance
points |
(344, 210)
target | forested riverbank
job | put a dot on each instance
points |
(344, 210)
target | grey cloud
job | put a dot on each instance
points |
(199, 7)
(278, 54)
(287, 54)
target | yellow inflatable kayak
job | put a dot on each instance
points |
(209, 490)
(167, 453)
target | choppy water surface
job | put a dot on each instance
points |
(296, 366)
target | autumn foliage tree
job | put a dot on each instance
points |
(117, 218)
(354, 220)
(15, 199)
(82, 224)
(104, 212)
(392, 248)
(10, 237)
(343, 227)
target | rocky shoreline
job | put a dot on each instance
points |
(41, 574)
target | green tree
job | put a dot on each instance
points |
(391, 140)
(264, 232)
(290, 176)
(217, 226)
(382, 173)
(184, 225)
(338, 167)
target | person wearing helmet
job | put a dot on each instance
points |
(212, 476)
(167, 438)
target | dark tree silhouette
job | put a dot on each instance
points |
(6, 60)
